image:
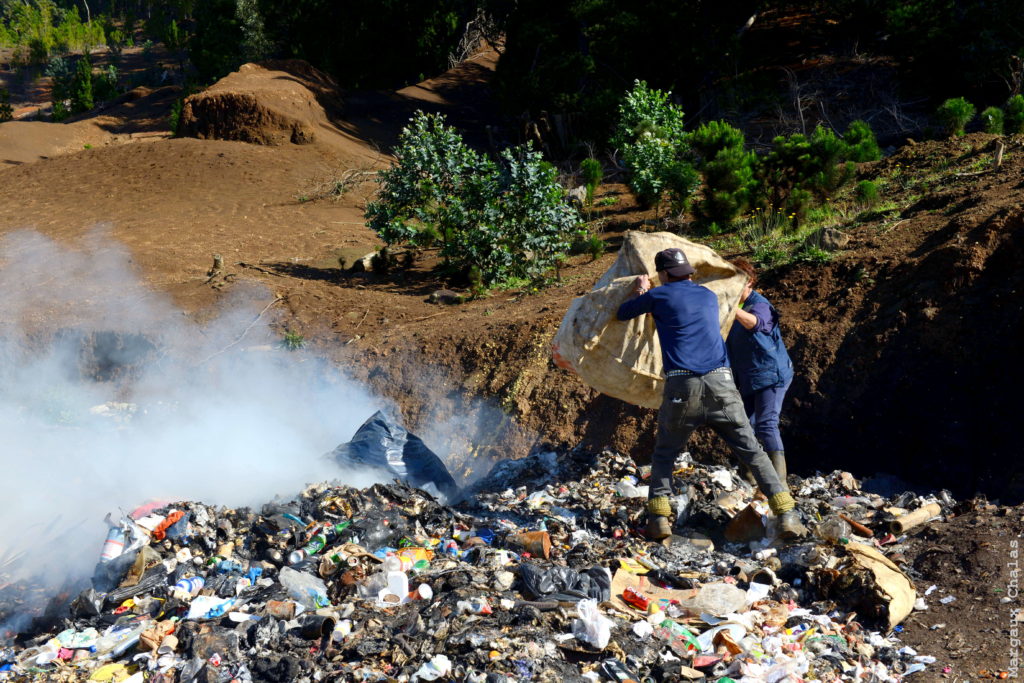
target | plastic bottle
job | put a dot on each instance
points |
(832, 529)
(308, 590)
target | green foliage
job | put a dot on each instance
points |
(41, 27)
(861, 143)
(592, 174)
(992, 120)
(511, 219)
(341, 38)
(6, 111)
(867, 193)
(292, 341)
(595, 247)
(680, 180)
(649, 134)
(814, 255)
(950, 46)
(81, 87)
(575, 56)
(770, 254)
(175, 118)
(61, 75)
(715, 136)
(828, 167)
(1014, 115)
(104, 85)
(728, 171)
(954, 114)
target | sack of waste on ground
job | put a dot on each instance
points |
(383, 446)
(541, 574)
(623, 359)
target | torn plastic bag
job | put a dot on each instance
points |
(384, 445)
(565, 584)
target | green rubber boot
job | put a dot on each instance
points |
(659, 526)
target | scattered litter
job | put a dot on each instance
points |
(529, 576)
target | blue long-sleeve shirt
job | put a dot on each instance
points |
(686, 317)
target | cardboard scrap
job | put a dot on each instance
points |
(896, 586)
(624, 579)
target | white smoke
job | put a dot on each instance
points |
(214, 419)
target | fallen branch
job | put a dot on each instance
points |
(244, 332)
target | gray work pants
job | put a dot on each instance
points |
(710, 399)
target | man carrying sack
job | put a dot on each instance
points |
(699, 389)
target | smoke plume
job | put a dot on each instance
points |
(110, 396)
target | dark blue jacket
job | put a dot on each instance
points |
(686, 316)
(758, 356)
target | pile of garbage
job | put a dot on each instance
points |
(540, 573)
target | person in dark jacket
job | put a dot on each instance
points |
(699, 389)
(761, 365)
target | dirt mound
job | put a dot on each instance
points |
(271, 103)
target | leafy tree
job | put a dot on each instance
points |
(954, 114)
(528, 226)
(579, 55)
(649, 133)
(510, 220)
(81, 87)
(861, 142)
(104, 85)
(437, 188)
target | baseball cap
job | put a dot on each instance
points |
(673, 261)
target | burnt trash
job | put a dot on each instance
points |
(532, 575)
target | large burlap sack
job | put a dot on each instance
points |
(623, 359)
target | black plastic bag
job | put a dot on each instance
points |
(384, 445)
(154, 577)
(565, 584)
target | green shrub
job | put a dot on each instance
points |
(814, 255)
(867, 193)
(510, 219)
(728, 173)
(770, 254)
(595, 246)
(680, 180)
(649, 134)
(728, 186)
(992, 120)
(784, 168)
(828, 166)
(81, 87)
(860, 140)
(6, 111)
(713, 137)
(592, 174)
(954, 114)
(292, 341)
(175, 118)
(1014, 115)
(104, 85)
